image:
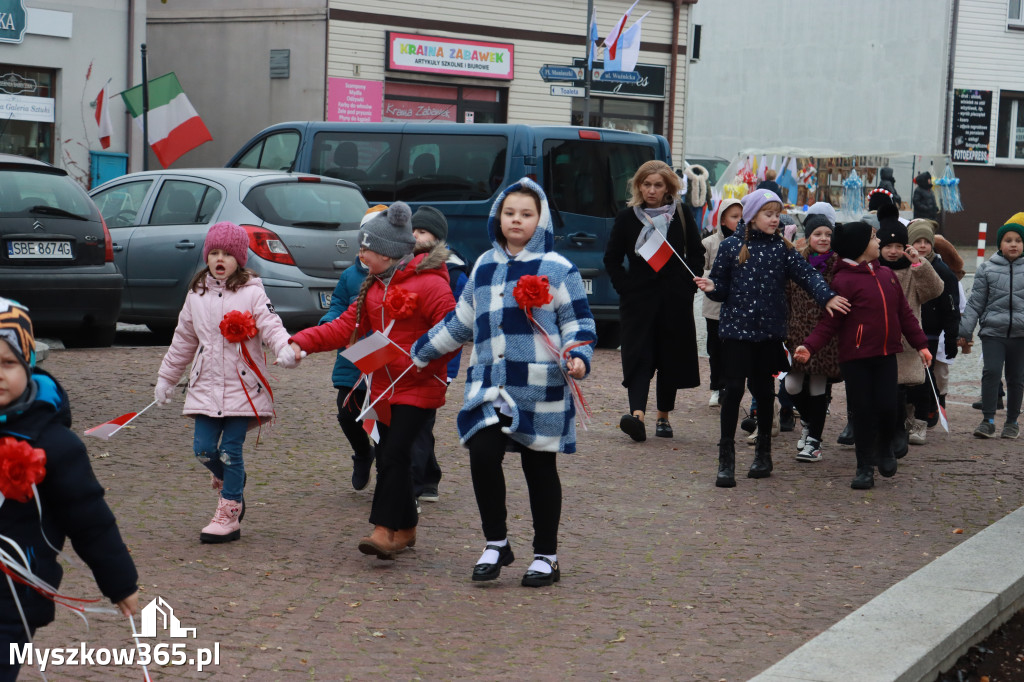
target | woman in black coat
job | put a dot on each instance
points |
(655, 307)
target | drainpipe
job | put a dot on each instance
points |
(951, 65)
(670, 128)
(130, 78)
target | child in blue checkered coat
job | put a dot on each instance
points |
(516, 397)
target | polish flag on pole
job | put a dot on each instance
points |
(630, 46)
(107, 429)
(611, 42)
(103, 114)
(381, 413)
(372, 353)
(656, 250)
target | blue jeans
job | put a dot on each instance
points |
(224, 460)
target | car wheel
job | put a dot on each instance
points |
(609, 334)
(92, 337)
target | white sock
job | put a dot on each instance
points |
(490, 556)
(543, 566)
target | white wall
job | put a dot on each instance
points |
(858, 77)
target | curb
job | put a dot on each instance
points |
(919, 627)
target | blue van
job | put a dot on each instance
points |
(460, 168)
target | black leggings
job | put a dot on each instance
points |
(352, 429)
(486, 453)
(871, 396)
(757, 362)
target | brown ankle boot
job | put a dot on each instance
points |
(403, 538)
(381, 542)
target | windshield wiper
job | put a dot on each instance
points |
(53, 210)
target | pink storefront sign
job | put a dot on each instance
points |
(350, 100)
(449, 56)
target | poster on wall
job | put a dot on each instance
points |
(972, 122)
(350, 100)
(449, 56)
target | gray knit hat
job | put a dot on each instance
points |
(389, 232)
(433, 221)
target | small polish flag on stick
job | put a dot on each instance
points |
(380, 413)
(372, 353)
(107, 429)
(657, 251)
(942, 410)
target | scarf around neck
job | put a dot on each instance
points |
(819, 261)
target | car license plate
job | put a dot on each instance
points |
(325, 299)
(24, 248)
(588, 286)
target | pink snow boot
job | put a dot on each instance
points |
(223, 526)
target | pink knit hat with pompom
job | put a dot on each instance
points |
(228, 237)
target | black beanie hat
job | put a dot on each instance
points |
(890, 229)
(850, 240)
(878, 198)
(433, 221)
(814, 221)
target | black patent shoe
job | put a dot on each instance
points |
(538, 579)
(663, 429)
(846, 437)
(492, 571)
(887, 463)
(633, 427)
(361, 470)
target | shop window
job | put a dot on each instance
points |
(591, 177)
(1010, 138)
(33, 139)
(633, 115)
(390, 166)
(431, 103)
(1015, 15)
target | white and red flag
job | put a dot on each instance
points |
(103, 114)
(372, 353)
(107, 429)
(611, 47)
(656, 250)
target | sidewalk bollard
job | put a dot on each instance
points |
(982, 230)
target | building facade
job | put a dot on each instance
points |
(460, 61)
(920, 77)
(55, 57)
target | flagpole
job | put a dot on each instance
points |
(588, 67)
(145, 111)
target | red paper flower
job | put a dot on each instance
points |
(400, 303)
(21, 467)
(532, 292)
(238, 326)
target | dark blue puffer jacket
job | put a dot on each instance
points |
(753, 295)
(345, 374)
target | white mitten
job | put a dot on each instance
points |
(286, 358)
(163, 391)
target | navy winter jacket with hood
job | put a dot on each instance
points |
(72, 504)
(753, 295)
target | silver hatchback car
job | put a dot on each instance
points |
(303, 232)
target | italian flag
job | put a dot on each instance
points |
(174, 125)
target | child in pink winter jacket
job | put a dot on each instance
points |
(225, 319)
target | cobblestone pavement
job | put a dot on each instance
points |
(664, 576)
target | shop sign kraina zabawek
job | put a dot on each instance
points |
(13, 21)
(449, 56)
